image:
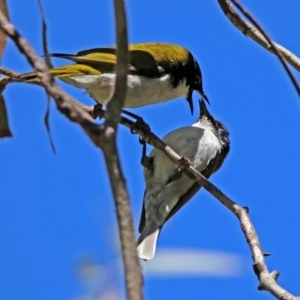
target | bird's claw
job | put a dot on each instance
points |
(142, 141)
(98, 111)
(146, 161)
(139, 125)
(136, 127)
(183, 163)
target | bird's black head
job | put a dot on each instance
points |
(196, 84)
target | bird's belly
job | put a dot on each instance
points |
(141, 91)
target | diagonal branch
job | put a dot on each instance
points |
(259, 35)
(99, 135)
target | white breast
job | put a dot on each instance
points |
(141, 90)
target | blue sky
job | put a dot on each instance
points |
(57, 219)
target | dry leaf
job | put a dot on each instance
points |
(4, 128)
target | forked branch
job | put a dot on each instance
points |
(260, 36)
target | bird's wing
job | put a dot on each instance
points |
(142, 58)
(164, 55)
(97, 58)
(184, 199)
(140, 61)
(149, 59)
(142, 225)
(63, 72)
(212, 167)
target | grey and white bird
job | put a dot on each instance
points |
(206, 144)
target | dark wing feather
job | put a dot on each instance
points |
(212, 167)
(109, 50)
(144, 63)
(140, 61)
(184, 199)
(101, 60)
(143, 218)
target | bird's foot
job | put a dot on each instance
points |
(139, 124)
(98, 111)
(183, 163)
(146, 161)
(136, 127)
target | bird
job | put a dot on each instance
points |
(205, 144)
(157, 72)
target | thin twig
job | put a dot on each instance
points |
(8, 72)
(49, 65)
(273, 46)
(260, 36)
(44, 36)
(250, 31)
(132, 268)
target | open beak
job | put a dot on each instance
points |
(202, 94)
(203, 109)
(190, 101)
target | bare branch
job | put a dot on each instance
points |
(116, 104)
(273, 46)
(260, 36)
(131, 263)
(99, 135)
(49, 65)
(3, 36)
(8, 72)
(44, 36)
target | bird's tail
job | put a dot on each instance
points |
(67, 71)
(147, 242)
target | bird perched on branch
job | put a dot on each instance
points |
(156, 73)
(205, 144)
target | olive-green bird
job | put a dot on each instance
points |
(156, 73)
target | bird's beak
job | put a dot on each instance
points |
(201, 92)
(203, 110)
(190, 101)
